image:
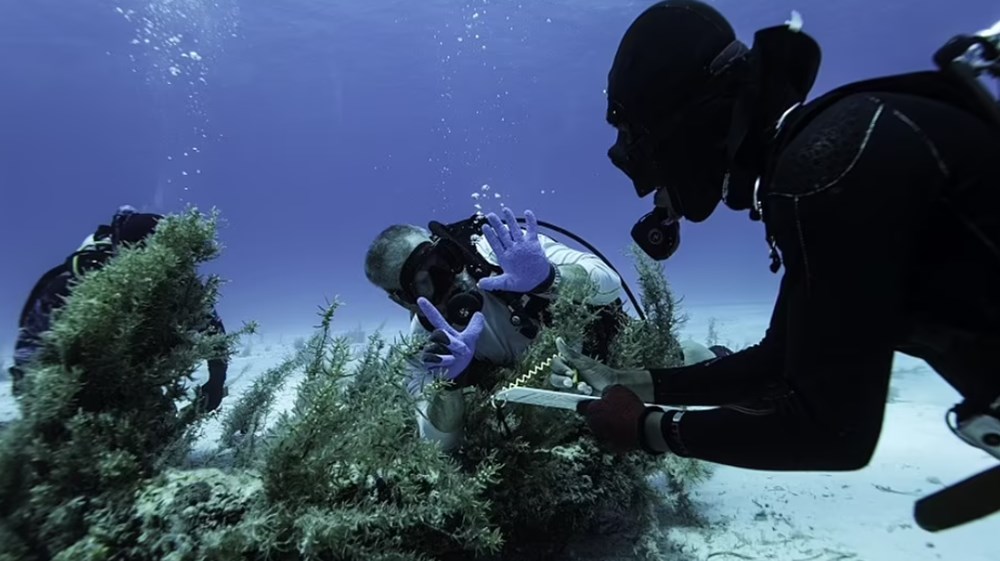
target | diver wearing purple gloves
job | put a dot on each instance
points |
(481, 290)
(481, 287)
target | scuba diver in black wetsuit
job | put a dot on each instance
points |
(127, 228)
(881, 201)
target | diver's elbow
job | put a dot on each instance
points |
(851, 452)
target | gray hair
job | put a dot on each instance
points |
(389, 251)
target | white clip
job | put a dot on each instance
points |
(991, 33)
(795, 23)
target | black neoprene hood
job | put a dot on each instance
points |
(663, 61)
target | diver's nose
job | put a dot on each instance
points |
(618, 156)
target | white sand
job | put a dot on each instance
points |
(863, 515)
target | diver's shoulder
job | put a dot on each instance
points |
(820, 142)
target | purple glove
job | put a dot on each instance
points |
(525, 266)
(449, 350)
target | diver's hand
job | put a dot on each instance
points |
(209, 396)
(449, 352)
(520, 255)
(17, 380)
(617, 420)
(575, 372)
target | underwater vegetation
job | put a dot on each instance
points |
(100, 466)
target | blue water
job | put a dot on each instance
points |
(314, 125)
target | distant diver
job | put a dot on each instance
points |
(127, 228)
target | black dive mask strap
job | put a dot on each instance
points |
(409, 270)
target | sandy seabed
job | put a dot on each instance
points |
(748, 515)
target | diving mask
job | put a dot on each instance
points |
(432, 272)
(429, 272)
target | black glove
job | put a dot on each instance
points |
(16, 376)
(211, 392)
(616, 419)
(210, 396)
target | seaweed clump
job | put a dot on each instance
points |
(557, 487)
(99, 466)
(99, 409)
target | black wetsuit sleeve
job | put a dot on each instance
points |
(217, 367)
(215, 325)
(38, 318)
(743, 376)
(849, 199)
